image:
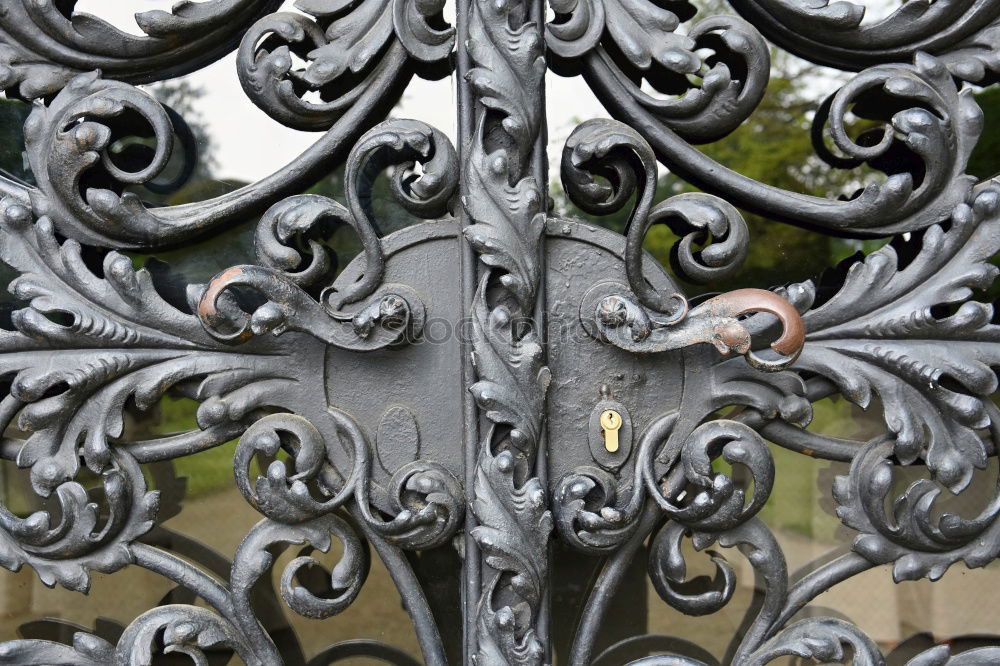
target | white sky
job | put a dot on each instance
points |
(249, 145)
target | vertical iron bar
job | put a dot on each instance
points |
(469, 263)
(540, 168)
(505, 202)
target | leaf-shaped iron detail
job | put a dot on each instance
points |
(881, 334)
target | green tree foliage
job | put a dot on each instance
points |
(985, 159)
(774, 147)
(182, 96)
(13, 162)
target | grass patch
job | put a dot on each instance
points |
(794, 504)
(207, 472)
(795, 501)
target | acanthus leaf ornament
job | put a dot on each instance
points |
(653, 321)
(341, 43)
(71, 382)
(43, 45)
(342, 318)
(505, 206)
(888, 343)
(922, 194)
(703, 98)
(63, 148)
(962, 35)
(356, 428)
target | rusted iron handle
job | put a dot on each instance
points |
(745, 301)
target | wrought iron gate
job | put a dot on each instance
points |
(588, 403)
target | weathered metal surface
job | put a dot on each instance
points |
(447, 387)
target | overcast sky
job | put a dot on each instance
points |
(239, 130)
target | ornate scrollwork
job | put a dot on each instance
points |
(121, 341)
(263, 345)
(624, 159)
(885, 343)
(917, 541)
(923, 193)
(342, 45)
(82, 348)
(71, 135)
(393, 311)
(230, 622)
(963, 36)
(44, 46)
(187, 630)
(660, 322)
(505, 205)
(715, 505)
(933, 399)
(65, 549)
(426, 498)
(597, 515)
(638, 40)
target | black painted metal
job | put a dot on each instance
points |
(506, 456)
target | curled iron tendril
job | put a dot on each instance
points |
(394, 310)
(426, 500)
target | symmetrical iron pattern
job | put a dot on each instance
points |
(331, 370)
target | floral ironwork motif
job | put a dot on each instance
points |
(91, 338)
